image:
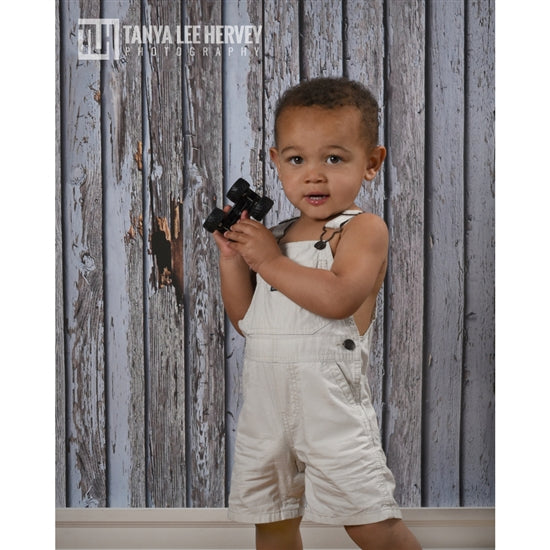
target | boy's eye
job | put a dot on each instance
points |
(295, 160)
(334, 159)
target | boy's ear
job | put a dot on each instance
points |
(274, 154)
(375, 159)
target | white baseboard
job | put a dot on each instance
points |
(208, 528)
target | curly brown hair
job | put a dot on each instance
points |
(331, 93)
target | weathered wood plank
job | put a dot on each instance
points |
(83, 264)
(243, 143)
(404, 283)
(444, 284)
(165, 352)
(123, 256)
(60, 435)
(281, 70)
(204, 333)
(478, 406)
(321, 48)
(363, 61)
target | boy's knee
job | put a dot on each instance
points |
(385, 535)
(280, 534)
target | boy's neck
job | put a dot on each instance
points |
(307, 220)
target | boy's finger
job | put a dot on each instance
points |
(218, 237)
(247, 222)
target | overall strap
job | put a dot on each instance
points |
(280, 229)
(337, 224)
(342, 219)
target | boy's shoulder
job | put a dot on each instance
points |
(366, 225)
(367, 219)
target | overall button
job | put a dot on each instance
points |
(349, 344)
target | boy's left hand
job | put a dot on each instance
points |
(254, 242)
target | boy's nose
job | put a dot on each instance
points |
(314, 174)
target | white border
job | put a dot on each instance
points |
(209, 528)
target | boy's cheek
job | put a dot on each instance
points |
(288, 172)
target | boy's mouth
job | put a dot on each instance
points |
(316, 199)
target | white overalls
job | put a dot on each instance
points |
(307, 436)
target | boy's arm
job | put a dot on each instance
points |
(236, 281)
(358, 262)
(237, 289)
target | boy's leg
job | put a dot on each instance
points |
(278, 535)
(391, 534)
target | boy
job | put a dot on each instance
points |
(304, 297)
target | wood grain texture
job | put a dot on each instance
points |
(83, 266)
(478, 385)
(444, 272)
(165, 355)
(123, 253)
(60, 419)
(243, 124)
(363, 61)
(405, 214)
(205, 353)
(321, 57)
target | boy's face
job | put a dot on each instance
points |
(322, 158)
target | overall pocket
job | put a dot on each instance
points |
(347, 375)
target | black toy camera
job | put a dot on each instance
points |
(245, 199)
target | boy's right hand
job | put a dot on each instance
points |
(226, 252)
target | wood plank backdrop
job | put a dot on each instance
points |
(148, 368)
